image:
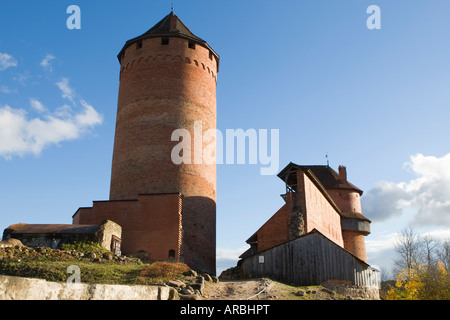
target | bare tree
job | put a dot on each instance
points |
(443, 254)
(429, 246)
(408, 251)
(385, 274)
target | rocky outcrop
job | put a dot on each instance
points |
(351, 292)
(11, 243)
(193, 285)
(18, 288)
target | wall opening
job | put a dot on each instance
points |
(115, 245)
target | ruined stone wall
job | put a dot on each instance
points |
(53, 241)
(106, 231)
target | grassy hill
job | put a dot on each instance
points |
(97, 265)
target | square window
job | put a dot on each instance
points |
(191, 45)
(165, 41)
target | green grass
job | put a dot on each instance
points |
(84, 247)
(51, 265)
(91, 272)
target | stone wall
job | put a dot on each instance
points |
(18, 288)
(106, 231)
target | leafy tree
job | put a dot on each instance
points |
(421, 269)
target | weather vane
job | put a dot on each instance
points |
(172, 7)
(328, 162)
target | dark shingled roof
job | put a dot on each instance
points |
(325, 174)
(171, 26)
(53, 228)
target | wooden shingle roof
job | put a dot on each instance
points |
(325, 174)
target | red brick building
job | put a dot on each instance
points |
(168, 79)
(317, 199)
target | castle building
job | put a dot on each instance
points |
(317, 235)
(168, 79)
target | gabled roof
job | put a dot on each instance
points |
(171, 26)
(325, 174)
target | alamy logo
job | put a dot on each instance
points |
(74, 21)
(208, 147)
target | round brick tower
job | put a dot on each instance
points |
(354, 225)
(168, 80)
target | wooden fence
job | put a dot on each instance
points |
(311, 260)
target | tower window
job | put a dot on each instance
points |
(210, 55)
(164, 41)
(172, 254)
(139, 45)
(191, 45)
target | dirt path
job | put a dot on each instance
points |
(265, 289)
(238, 290)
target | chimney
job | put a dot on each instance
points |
(343, 173)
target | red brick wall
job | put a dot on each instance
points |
(275, 230)
(347, 200)
(355, 243)
(152, 223)
(320, 214)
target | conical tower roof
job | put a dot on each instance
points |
(170, 26)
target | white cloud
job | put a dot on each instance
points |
(428, 195)
(228, 258)
(439, 234)
(37, 105)
(46, 62)
(229, 254)
(21, 135)
(383, 241)
(7, 61)
(5, 89)
(89, 117)
(67, 91)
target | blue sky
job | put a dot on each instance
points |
(377, 101)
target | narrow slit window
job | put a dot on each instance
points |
(165, 41)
